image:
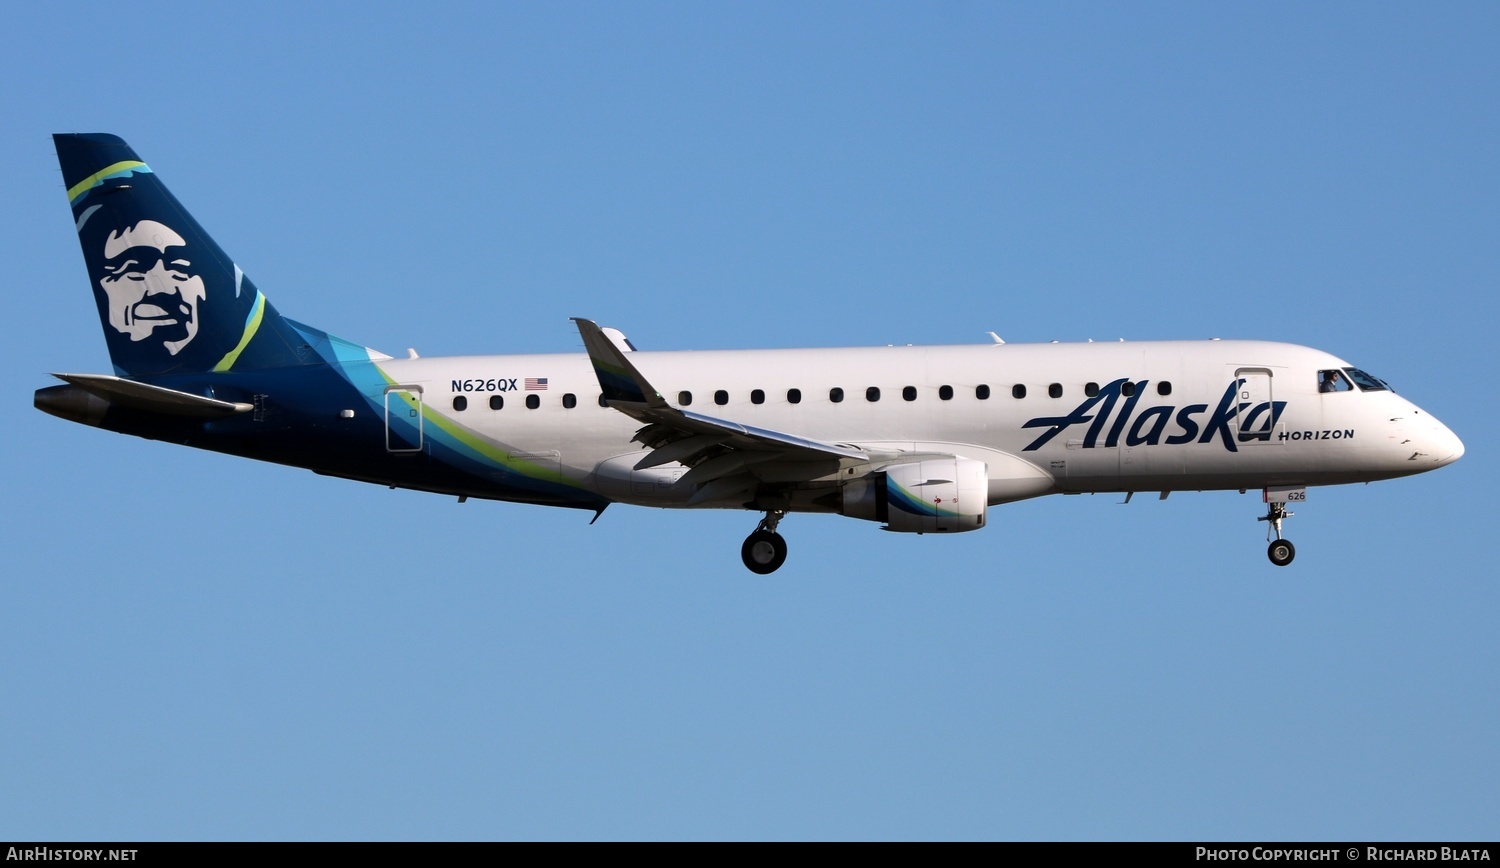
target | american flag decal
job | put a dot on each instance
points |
(536, 384)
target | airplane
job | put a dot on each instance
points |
(919, 439)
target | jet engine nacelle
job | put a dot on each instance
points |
(941, 495)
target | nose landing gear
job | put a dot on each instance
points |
(1280, 551)
(764, 550)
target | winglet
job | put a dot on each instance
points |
(618, 378)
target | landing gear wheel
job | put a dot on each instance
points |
(763, 552)
(1279, 551)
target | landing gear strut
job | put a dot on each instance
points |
(1280, 551)
(764, 550)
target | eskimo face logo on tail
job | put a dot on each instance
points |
(152, 288)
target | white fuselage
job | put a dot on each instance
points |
(1203, 414)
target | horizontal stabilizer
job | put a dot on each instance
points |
(140, 396)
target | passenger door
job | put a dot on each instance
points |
(1256, 416)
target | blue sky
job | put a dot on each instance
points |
(196, 646)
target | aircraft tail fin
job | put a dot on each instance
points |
(169, 298)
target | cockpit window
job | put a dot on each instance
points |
(1365, 382)
(1333, 381)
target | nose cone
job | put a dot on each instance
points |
(1446, 448)
(1433, 443)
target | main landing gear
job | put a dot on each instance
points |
(1280, 551)
(764, 551)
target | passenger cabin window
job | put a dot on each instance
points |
(533, 401)
(570, 401)
(1018, 391)
(1091, 389)
(945, 392)
(909, 393)
(835, 394)
(872, 394)
(794, 396)
(721, 397)
(684, 398)
(1164, 388)
(1055, 390)
(497, 402)
(460, 403)
(1127, 389)
(1365, 382)
(757, 396)
(1333, 381)
(982, 392)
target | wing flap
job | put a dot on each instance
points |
(678, 450)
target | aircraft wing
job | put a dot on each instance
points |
(717, 450)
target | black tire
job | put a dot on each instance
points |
(1281, 552)
(763, 552)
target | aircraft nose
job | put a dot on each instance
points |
(1448, 446)
(1436, 445)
